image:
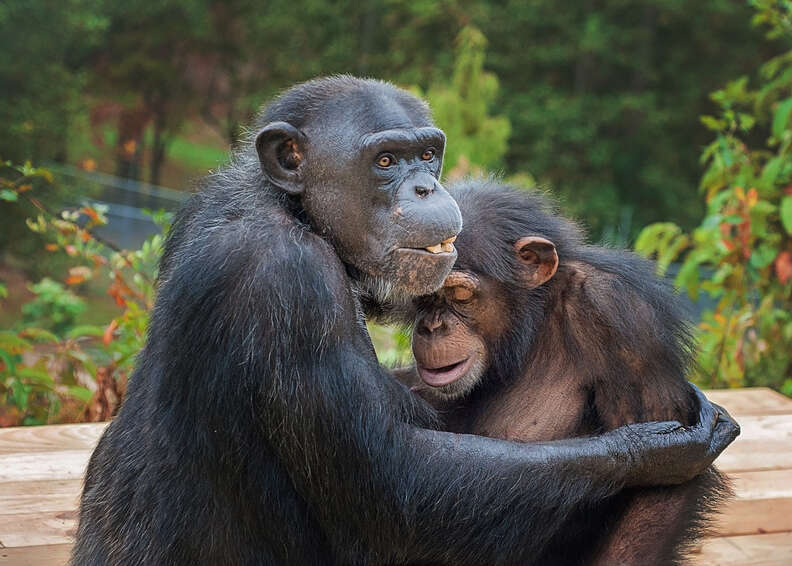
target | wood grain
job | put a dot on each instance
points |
(34, 529)
(39, 496)
(49, 438)
(40, 466)
(751, 401)
(765, 443)
(41, 471)
(751, 550)
(49, 555)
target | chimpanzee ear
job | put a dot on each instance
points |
(281, 151)
(538, 257)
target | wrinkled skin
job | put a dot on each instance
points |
(259, 428)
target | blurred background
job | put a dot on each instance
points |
(664, 125)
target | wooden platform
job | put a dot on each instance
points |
(41, 470)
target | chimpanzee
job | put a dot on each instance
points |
(258, 427)
(537, 336)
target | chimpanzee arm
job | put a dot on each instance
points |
(383, 489)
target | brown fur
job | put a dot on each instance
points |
(607, 348)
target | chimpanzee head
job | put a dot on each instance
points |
(480, 325)
(363, 159)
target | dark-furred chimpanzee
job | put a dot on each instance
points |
(258, 427)
(536, 336)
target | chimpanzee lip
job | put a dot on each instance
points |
(424, 252)
(445, 375)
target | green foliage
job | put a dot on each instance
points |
(603, 99)
(741, 254)
(52, 363)
(41, 74)
(461, 109)
(16, 238)
(54, 308)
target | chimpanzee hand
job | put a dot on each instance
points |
(667, 453)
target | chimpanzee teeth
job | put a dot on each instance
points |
(450, 240)
(447, 247)
(436, 249)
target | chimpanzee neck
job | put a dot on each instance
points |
(514, 349)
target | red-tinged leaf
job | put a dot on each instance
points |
(51, 247)
(91, 213)
(108, 333)
(783, 267)
(744, 231)
(71, 250)
(752, 197)
(740, 351)
(85, 236)
(115, 290)
(725, 229)
(728, 244)
(78, 274)
(129, 148)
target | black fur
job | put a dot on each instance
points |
(259, 428)
(615, 394)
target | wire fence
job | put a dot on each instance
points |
(126, 200)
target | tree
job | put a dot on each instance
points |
(476, 140)
(741, 254)
(603, 98)
(42, 73)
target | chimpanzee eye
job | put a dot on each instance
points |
(461, 294)
(428, 154)
(385, 160)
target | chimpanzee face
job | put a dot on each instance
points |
(366, 170)
(457, 327)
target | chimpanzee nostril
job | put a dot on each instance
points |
(432, 324)
(423, 192)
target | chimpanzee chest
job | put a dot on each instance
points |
(530, 410)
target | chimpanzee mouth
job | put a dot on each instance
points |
(444, 247)
(441, 376)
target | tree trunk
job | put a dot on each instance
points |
(129, 149)
(157, 151)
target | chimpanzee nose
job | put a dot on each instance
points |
(432, 323)
(423, 191)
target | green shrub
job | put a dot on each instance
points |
(741, 254)
(54, 308)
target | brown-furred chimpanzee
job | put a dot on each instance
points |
(258, 427)
(537, 336)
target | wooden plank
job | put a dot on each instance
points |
(765, 444)
(43, 466)
(41, 471)
(50, 437)
(50, 555)
(39, 496)
(751, 401)
(38, 529)
(752, 550)
(762, 504)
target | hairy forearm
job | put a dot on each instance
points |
(501, 500)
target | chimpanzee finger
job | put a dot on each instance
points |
(661, 427)
(723, 415)
(708, 412)
(726, 430)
